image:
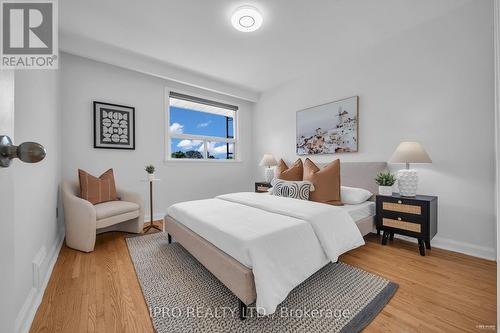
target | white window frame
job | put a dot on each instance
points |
(169, 136)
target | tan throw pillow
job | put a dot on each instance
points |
(97, 190)
(293, 173)
(326, 182)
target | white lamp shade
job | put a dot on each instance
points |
(268, 160)
(410, 152)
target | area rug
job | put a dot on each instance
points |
(183, 296)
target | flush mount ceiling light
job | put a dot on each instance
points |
(246, 19)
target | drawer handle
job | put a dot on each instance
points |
(399, 219)
(399, 201)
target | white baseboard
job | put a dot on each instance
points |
(27, 313)
(456, 246)
(155, 217)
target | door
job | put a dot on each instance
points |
(6, 206)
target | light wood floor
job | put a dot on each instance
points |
(442, 292)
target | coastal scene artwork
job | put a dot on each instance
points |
(328, 128)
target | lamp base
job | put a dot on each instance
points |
(268, 174)
(407, 182)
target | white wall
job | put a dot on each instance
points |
(85, 81)
(37, 230)
(433, 84)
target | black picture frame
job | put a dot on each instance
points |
(121, 137)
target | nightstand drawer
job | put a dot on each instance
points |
(401, 224)
(408, 217)
(261, 188)
(400, 207)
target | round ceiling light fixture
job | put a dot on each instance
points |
(246, 19)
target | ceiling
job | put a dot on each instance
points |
(297, 36)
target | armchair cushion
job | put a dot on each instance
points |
(112, 208)
(116, 219)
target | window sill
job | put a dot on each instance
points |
(200, 161)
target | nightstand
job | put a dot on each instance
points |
(408, 216)
(262, 187)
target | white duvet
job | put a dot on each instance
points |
(283, 240)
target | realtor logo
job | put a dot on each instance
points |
(29, 34)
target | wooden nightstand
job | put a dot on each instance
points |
(414, 217)
(262, 187)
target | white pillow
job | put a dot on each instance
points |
(354, 195)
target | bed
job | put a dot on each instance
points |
(277, 243)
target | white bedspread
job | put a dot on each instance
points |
(283, 241)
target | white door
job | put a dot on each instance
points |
(6, 207)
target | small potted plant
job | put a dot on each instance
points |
(385, 180)
(150, 169)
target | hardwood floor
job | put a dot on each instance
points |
(442, 292)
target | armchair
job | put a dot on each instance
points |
(84, 220)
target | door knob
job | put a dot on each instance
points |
(29, 152)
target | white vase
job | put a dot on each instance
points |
(407, 182)
(151, 176)
(385, 190)
(268, 174)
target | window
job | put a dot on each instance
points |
(200, 129)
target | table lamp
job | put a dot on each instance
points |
(409, 152)
(268, 161)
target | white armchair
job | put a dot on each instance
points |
(84, 220)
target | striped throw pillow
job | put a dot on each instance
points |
(97, 190)
(292, 189)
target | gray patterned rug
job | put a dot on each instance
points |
(185, 297)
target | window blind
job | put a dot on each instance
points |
(202, 101)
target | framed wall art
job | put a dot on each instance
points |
(114, 126)
(328, 128)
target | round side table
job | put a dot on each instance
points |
(151, 225)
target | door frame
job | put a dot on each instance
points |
(496, 33)
(7, 315)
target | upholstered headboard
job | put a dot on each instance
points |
(360, 174)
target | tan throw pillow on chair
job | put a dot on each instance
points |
(294, 173)
(97, 190)
(326, 182)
